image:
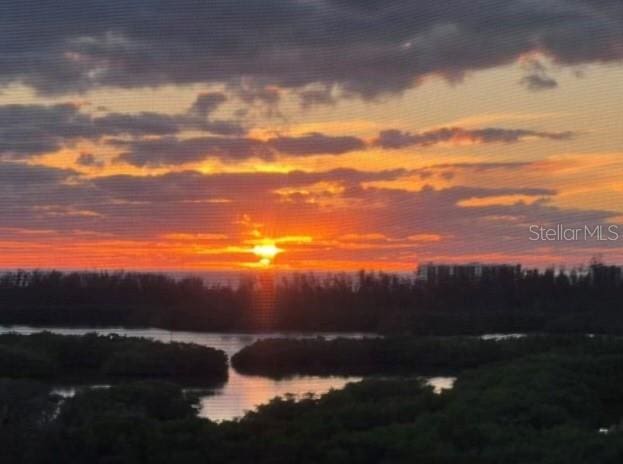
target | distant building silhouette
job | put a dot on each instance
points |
(434, 273)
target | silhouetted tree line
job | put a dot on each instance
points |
(109, 358)
(555, 407)
(531, 301)
(404, 355)
(119, 298)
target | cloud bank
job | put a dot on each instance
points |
(361, 48)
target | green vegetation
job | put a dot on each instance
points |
(281, 357)
(544, 408)
(89, 357)
(533, 301)
(540, 399)
(26, 412)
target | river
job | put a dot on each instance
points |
(240, 393)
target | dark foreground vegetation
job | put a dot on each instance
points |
(560, 406)
(280, 357)
(527, 301)
(110, 358)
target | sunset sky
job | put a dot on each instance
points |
(309, 134)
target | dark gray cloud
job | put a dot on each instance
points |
(31, 130)
(193, 185)
(26, 190)
(537, 77)
(144, 123)
(395, 139)
(200, 115)
(207, 103)
(165, 151)
(171, 150)
(180, 201)
(476, 230)
(538, 82)
(89, 160)
(366, 48)
(314, 97)
(13, 174)
(315, 143)
(252, 93)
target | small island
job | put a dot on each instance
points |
(108, 358)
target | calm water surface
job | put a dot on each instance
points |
(241, 393)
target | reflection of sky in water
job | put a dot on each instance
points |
(502, 336)
(441, 383)
(243, 393)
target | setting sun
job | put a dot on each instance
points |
(310, 212)
(266, 252)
